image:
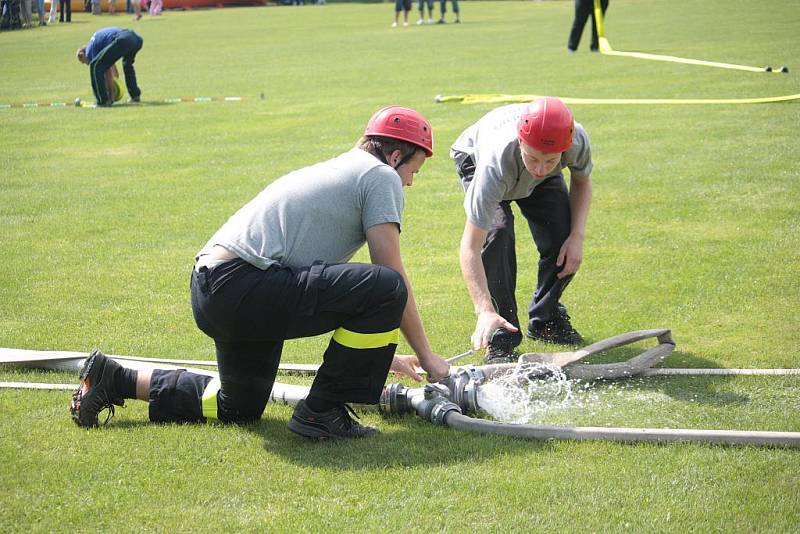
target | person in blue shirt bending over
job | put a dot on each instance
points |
(106, 46)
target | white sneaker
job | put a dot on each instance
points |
(420, 21)
(430, 21)
(394, 25)
(405, 24)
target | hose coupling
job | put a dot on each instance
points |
(435, 409)
(395, 400)
(464, 387)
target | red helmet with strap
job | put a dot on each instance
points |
(546, 124)
(404, 124)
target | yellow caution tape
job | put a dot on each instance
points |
(79, 103)
(505, 99)
(605, 48)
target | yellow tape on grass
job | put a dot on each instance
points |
(507, 99)
(605, 48)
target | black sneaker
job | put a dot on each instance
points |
(333, 423)
(96, 392)
(501, 347)
(557, 330)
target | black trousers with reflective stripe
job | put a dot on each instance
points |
(125, 45)
(547, 212)
(250, 313)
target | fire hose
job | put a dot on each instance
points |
(453, 402)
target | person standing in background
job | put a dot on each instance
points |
(583, 10)
(422, 11)
(53, 9)
(26, 14)
(405, 7)
(65, 8)
(443, 10)
(40, 12)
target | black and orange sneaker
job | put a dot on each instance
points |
(502, 347)
(96, 391)
(558, 330)
(334, 423)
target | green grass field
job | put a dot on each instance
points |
(695, 226)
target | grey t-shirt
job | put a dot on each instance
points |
(321, 212)
(499, 171)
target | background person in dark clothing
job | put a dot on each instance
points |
(65, 9)
(10, 18)
(583, 10)
(103, 50)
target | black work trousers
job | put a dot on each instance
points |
(249, 313)
(583, 10)
(547, 212)
(125, 45)
(65, 9)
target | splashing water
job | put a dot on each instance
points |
(530, 392)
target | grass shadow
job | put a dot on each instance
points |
(701, 389)
(404, 442)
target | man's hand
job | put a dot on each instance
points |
(436, 367)
(487, 323)
(570, 256)
(407, 366)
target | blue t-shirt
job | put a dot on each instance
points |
(100, 40)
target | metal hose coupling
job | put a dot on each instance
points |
(395, 400)
(436, 404)
(460, 389)
(463, 385)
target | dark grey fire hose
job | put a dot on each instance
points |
(431, 404)
(459, 421)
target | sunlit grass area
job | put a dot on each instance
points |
(694, 227)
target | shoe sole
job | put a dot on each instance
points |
(93, 371)
(308, 430)
(87, 372)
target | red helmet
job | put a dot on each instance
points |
(404, 124)
(546, 124)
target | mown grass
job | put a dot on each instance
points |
(694, 227)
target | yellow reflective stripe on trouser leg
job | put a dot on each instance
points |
(356, 340)
(209, 400)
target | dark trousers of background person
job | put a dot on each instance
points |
(249, 313)
(443, 8)
(547, 212)
(64, 8)
(125, 45)
(583, 10)
(11, 19)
